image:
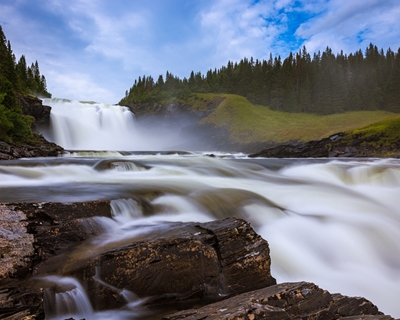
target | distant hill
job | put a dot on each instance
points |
(228, 121)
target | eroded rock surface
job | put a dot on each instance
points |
(299, 300)
(178, 262)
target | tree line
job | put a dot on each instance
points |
(322, 83)
(17, 78)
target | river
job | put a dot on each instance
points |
(334, 222)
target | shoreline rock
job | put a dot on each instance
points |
(335, 146)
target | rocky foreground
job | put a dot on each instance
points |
(215, 270)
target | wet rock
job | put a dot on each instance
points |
(299, 300)
(29, 235)
(58, 226)
(16, 245)
(179, 262)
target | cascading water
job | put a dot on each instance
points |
(91, 126)
(78, 125)
(335, 223)
(65, 297)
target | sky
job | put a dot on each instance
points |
(93, 50)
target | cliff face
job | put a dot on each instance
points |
(33, 106)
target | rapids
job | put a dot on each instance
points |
(332, 222)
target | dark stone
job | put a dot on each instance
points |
(39, 147)
(180, 262)
(32, 106)
(58, 226)
(332, 147)
(299, 300)
(39, 231)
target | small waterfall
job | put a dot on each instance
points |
(65, 297)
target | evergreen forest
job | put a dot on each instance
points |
(17, 78)
(322, 83)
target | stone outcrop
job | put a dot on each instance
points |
(29, 235)
(39, 148)
(337, 145)
(177, 263)
(34, 107)
(299, 300)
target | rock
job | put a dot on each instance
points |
(33, 106)
(39, 147)
(299, 300)
(223, 264)
(29, 235)
(337, 145)
(16, 244)
(58, 226)
(179, 262)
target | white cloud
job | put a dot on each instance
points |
(238, 29)
(349, 25)
(80, 86)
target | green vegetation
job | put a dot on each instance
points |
(16, 78)
(322, 84)
(248, 123)
(384, 133)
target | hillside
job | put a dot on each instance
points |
(379, 139)
(230, 121)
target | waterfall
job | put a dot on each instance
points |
(65, 297)
(78, 125)
(91, 126)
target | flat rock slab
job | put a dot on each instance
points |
(299, 300)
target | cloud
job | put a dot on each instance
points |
(348, 25)
(94, 50)
(238, 29)
(80, 86)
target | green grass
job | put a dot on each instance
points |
(379, 134)
(249, 123)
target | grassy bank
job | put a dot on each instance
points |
(248, 123)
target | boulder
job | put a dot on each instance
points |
(179, 262)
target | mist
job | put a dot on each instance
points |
(94, 126)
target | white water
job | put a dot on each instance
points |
(330, 222)
(97, 126)
(65, 297)
(335, 223)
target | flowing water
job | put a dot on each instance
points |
(332, 222)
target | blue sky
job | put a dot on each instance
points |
(95, 49)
